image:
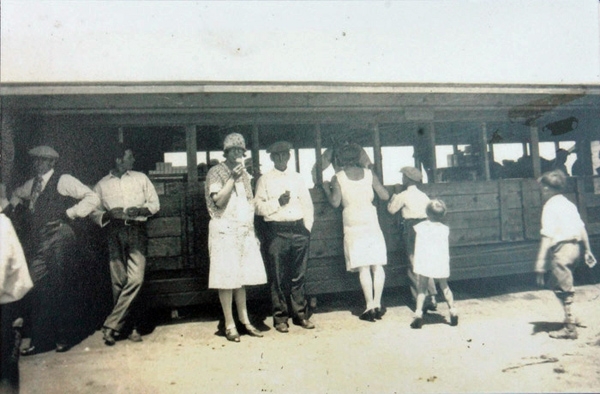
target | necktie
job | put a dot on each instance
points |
(36, 190)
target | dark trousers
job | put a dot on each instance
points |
(50, 304)
(287, 255)
(10, 342)
(127, 246)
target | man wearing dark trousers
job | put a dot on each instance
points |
(45, 207)
(285, 202)
(128, 198)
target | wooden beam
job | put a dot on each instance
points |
(432, 158)
(255, 152)
(297, 157)
(485, 157)
(191, 149)
(535, 151)
(318, 159)
(377, 152)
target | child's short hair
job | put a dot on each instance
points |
(555, 179)
(436, 210)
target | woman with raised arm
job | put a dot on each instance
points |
(234, 250)
(364, 246)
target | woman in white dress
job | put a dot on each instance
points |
(234, 250)
(364, 246)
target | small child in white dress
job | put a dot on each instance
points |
(432, 259)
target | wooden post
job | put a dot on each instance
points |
(535, 151)
(189, 203)
(191, 149)
(319, 160)
(581, 202)
(432, 156)
(297, 157)
(255, 152)
(485, 157)
(377, 152)
(584, 155)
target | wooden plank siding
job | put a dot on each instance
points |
(494, 230)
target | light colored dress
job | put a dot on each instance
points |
(364, 244)
(234, 249)
(432, 250)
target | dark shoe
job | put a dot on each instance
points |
(379, 312)
(282, 327)
(368, 315)
(28, 351)
(417, 322)
(108, 335)
(135, 336)
(304, 323)
(252, 331)
(563, 334)
(454, 320)
(232, 334)
(429, 306)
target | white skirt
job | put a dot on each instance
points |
(235, 258)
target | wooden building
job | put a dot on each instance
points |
(494, 222)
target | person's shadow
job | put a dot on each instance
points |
(543, 326)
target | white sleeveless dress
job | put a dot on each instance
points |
(432, 250)
(364, 244)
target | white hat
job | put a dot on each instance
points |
(234, 140)
(412, 173)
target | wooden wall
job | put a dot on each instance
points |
(494, 231)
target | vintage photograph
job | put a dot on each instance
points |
(397, 196)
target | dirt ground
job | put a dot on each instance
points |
(500, 345)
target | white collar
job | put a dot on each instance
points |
(46, 177)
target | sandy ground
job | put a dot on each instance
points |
(500, 345)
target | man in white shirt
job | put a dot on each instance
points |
(563, 235)
(128, 198)
(48, 204)
(285, 202)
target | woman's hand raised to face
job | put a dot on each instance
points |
(237, 171)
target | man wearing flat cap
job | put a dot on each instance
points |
(48, 204)
(284, 201)
(412, 203)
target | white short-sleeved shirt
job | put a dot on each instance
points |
(561, 220)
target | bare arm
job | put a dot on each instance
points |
(589, 258)
(333, 192)
(380, 189)
(540, 264)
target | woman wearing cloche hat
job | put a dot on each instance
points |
(234, 250)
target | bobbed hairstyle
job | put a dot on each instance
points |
(349, 155)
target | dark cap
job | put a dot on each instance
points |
(279, 146)
(43, 151)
